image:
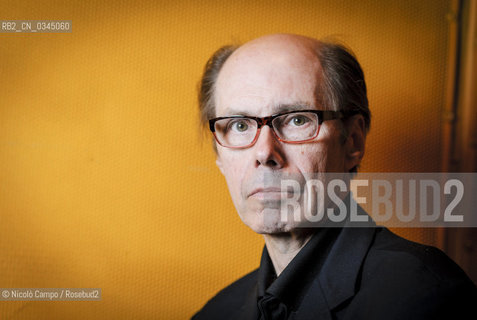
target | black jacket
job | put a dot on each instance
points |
(368, 273)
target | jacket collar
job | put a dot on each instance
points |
(339, 275)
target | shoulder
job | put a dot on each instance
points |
(393, 255)
(413, 281)
(230, 299)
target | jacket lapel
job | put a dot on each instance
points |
(337, 281)
(340, 274)
(249, 309)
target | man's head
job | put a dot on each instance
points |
(272, 75)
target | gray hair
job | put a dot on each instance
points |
(342, 86)
(207, 83)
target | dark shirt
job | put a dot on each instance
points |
(279, 297)
(351, 273)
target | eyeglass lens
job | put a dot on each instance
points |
(291, 127)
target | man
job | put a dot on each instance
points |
(290, 105)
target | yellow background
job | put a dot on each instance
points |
(103, 179)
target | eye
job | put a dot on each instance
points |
(299, 120)
(239, 125)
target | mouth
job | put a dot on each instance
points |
(268, 193)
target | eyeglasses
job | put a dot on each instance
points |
(290, 127)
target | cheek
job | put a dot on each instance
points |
(328, 154)
(234, 171)
(309, 158)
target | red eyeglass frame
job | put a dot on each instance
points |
(323, 115)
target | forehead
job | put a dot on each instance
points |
(258, 80)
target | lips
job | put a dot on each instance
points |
(270, 192)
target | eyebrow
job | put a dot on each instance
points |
(281, 108)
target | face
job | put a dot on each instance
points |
(263, 79)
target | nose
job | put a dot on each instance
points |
(268, 150)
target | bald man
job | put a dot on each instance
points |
(290, 105)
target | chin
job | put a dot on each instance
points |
(269, 222)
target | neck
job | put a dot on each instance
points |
(283, 247)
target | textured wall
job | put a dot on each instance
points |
(103, 181)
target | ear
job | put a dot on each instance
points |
(218, 162)
(355, 142)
